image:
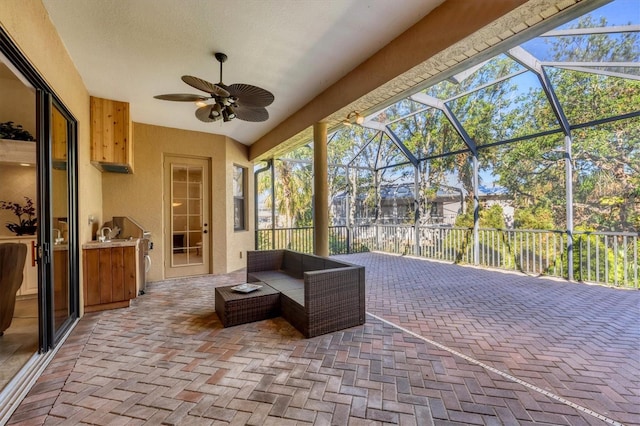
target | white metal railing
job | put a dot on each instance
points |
(609, 258)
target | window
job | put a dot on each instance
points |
(239, 189)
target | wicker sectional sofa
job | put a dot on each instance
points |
(317, 295)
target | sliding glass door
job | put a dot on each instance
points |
(55, 250)
(61, 222)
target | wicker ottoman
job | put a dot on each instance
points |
(235, 308)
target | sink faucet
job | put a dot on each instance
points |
(59, 238)
(103, 237)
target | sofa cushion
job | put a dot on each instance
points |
(292, 263)
(265, 276)
(285, 283)
(312, 263)
(332, 264)
(264, 260)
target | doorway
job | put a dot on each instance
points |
(18, 204)
(38, 177)
(186, 205)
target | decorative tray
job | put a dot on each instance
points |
(246, 288)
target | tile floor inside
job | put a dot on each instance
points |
(20, 341)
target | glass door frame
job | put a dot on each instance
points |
(72, 208)
(45, 100)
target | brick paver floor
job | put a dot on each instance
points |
(443, 344)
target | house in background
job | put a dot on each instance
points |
(397, 205)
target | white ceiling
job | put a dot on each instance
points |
(135, 49)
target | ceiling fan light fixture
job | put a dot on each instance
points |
(213, 115)
(215, 110)
(230, 112)
(225, 115)
(200, 104)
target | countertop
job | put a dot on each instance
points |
(17, 237)
(111, 243)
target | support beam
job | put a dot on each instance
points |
(440, 105)
(568, 165)
(394, 138)
(476, 212)
(273, 206)
(256, 202)
(416, 212)
(403, 148)
(320, 191)
(531, 62)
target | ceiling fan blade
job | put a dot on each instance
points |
(254, 114)
(182, 97)
(251, 96)
(205, 86)
(204, 114)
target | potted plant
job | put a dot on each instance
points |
(24, 226)
(14, 132)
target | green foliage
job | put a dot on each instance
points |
(596, 259)
(535, 217)
(490, 217)
(293, 188)
(606, 158)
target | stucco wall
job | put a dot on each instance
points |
(29, 26)
(140, 195)
(239, 241)
(19, 104)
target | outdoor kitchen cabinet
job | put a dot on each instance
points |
(111, 136)
(110, 275)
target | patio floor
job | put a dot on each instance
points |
(443, 344)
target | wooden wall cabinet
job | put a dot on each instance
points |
(58, 136)
(111, 142)
(110, 276)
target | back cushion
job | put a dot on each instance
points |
(312, 263)
(292, 263)
(331, 264)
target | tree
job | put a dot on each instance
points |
(292, 186)
(428, 132)
(606, 158)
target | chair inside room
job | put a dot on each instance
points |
(12, 259)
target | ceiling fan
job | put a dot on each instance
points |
(242, 101)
